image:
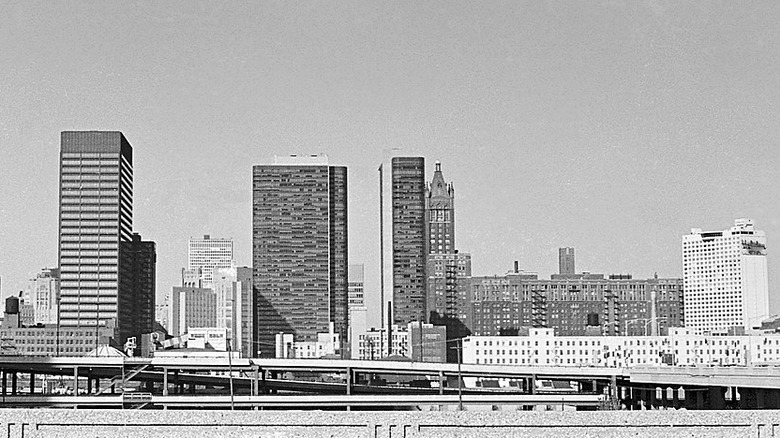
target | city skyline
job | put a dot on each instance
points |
(614, 135)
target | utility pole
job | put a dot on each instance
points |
(230, 375)
(459, 347)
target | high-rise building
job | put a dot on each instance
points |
(566, 261)
(232, 287)
(96, 224)
(209, 254)
(44, 293)
(247, 342)
(403, 246)
(299, 249)
(143, 280)
(440, 214)
(725, 279)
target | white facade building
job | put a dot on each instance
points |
(209, 254)
(327, 344)
(725, 279)
(228, 290)
(680, 348)
(43, 292)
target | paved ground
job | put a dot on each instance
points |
(53, 423)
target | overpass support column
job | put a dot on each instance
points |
(75, 381)
(13, 383)
(613, 392)
(441, 382)
(665, 397)
(678, 400)
(349, 381)
(256, 382)
(32, 383)
(165, 381)
(531, 382)
(716, 398)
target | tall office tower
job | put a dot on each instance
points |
(440, 214)
(143, 280)
(566, 261)
(355, 285)
(725, 278)
(44, 293)
(247, 344)
(96, 218)
(403, 248)
(208, 254)
(299, 249)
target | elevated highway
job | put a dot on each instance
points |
(324, 381)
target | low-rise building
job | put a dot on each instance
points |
(680, 348)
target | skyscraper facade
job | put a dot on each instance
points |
(566, 261)
(299, 249)
(725, 278)
(209, 254)
(403, 246)
(96, 221)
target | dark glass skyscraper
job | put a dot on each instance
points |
(404, 249)
(96, 222)
(143, 280)
(299, 224)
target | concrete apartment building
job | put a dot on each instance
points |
(725, 279)
(299, 224)
(574, 304)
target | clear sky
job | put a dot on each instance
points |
(613, 127)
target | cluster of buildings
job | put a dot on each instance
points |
(302, 298)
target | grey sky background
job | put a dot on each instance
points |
(613, 127)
